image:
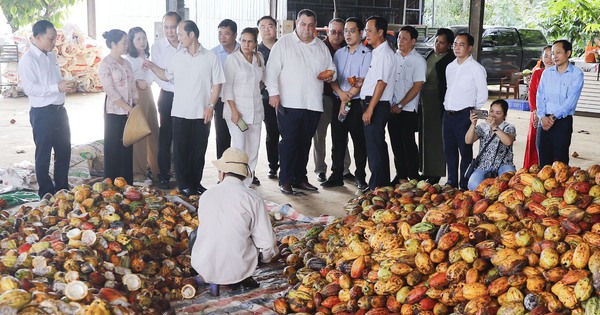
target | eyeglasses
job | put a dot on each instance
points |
(334, 32)
(350, 31)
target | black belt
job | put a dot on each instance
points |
(50, 107)
(367, 100)
(455, 112)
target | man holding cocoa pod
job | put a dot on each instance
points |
(298, 65)
(42, 82)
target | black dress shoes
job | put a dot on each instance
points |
(272, 174)
(248, 283)
(332, 183)
(321, 177)
(305, 186)
(361, 184)
(286, 189)
(163, 184)
(189, 192)
(349, 176)
(255, 181)
(200, 189)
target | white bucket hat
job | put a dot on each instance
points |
(233, 161)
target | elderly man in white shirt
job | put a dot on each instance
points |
(198, 77)
(295, 62)
(42, 82)
(234, 230)
(411, 68)
(162, 52)
(467, 90)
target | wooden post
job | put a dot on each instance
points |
(91, 18)
(476, 25)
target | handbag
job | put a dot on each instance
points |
(475, 162)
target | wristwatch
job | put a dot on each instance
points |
(211, 105)
(495, 129)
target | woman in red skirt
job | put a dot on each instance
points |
(531, 154)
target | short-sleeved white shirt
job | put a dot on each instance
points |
(383, 67)
(409, 69)
(193, 77)
(242, 85)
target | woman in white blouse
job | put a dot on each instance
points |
(244, 71)
(145, 151)
(116, 76)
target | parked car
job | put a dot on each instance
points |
(504, 50)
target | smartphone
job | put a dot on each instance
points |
(242, 125)
(481, 113)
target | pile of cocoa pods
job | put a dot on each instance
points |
(109, 248)
(524, 243)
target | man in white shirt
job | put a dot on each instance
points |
(42, 82)
(162, 52)
(376, 92)
(411, 68)
(235, 230)
(295, 62)
(228, 44)
(198, 77)
(467, 90)
(267, 28)
(333, 41)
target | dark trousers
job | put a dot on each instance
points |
(272, 137)
(51, 130)
(402, 128)
(118, 159)
(223, 136)
(455, 126)
(165, 134)
(553, 145)
(377, 150)
(297, 127)
(190, 139)
(353, 124)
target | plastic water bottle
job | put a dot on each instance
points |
(342, 116)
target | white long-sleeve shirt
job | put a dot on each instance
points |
(234, 227)
(40, 75)
(467, 85)
(161, 54)
(242, 85)
(293, 69)
(383, 67)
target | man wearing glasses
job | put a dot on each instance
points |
(467, 90)
(352, 63)
(333, 41)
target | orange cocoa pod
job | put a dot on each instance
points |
(325, 74)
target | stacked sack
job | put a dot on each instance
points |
(78, 57)
(521, 243)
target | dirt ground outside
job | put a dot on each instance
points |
(86, 119)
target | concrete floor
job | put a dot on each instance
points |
(85, 114)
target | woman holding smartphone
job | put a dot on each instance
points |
(244, 71)
(495, 149)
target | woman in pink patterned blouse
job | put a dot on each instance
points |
(116, 76)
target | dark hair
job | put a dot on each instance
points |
(133, 52)
(566, 45)
(502, 104)
(173, 14)
(229, 23)
(306, 12)
(40, 27)
(113, 36)
(411, 30)
(359, 23)
(380, 23)
(447, 33)
(189, 26)
(254, 32)
(336, 20)
(470, 38)
(542, 65)
(266, 17)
